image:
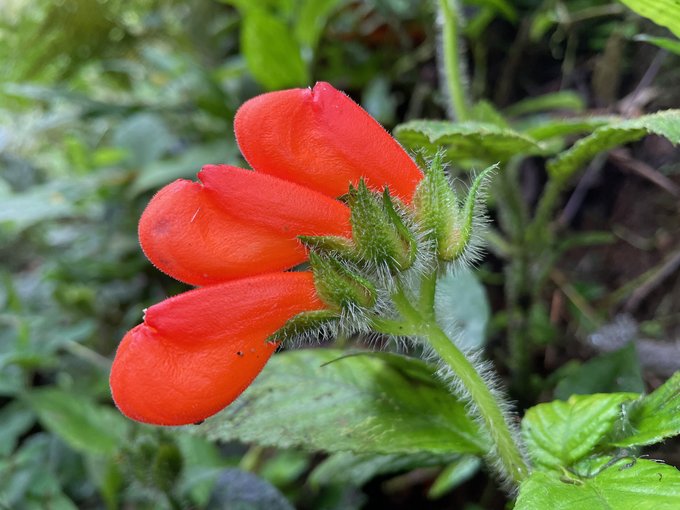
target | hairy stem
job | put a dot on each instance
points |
(481, 397)
(451, 63)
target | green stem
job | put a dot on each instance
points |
(453, 73)
(480, 394)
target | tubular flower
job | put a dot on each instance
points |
(234, 232)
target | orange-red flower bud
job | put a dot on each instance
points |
(196, 352)
(322, 139)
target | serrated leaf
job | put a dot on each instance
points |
(319, 400)
(357, 469)
(79, 422)
(666, 124)
(657, 416)
(662, 12)
(560, 433)
(272, 54)
(644, 485)
(466, 140)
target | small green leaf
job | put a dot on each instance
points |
(467, 140)
(657, 416)
(662, 12)
(318, 400)
(560, 433)
(624, 485)
(272, 54)
(617, 371)
(666, 123)
(79, 422)
(666, 43)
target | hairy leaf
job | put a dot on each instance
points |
(467, 140)
(656, 416)
(623, 485)
(560, 433)
(319, 400)
(666, 123)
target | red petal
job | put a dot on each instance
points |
(322, 139)
(187, 235)
(277, 204)
(197, 352)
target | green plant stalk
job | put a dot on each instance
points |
(453, 72)
(426, 327)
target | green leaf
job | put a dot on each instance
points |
(239, 490)
(357, 469)
(186, 165)
(311, 20)
(641, 484)
(16, 419)
(462, 308)
(79, 422)
(563, 100)
(272, 54)
(453, 475)
(656, 416)
(318, 400)
(662, 12)
(466, 140)
(665, 123)
(666, 43)
(560, 433)
(617, 371)
(545, 129)
(144, 137)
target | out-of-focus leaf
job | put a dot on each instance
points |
(16, 419)
(656, 416)
(145, 138)
(560, 433)
(626, 484)
(357, 469)
(613, 372)
(662, 12)
(320, 400)
(82, 424)
(272, 54)
(665, 123)
(563, 100)
(466, 140)
(186, 165)
(311, 20)
(666, 43)
(239, 490)
(453, 475)
(462, 308)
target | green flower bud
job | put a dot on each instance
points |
(338, 286)
(379, 231)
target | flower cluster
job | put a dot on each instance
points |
(236, 232)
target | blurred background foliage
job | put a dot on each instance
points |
(104, 101)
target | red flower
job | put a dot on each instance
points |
(196, 352)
